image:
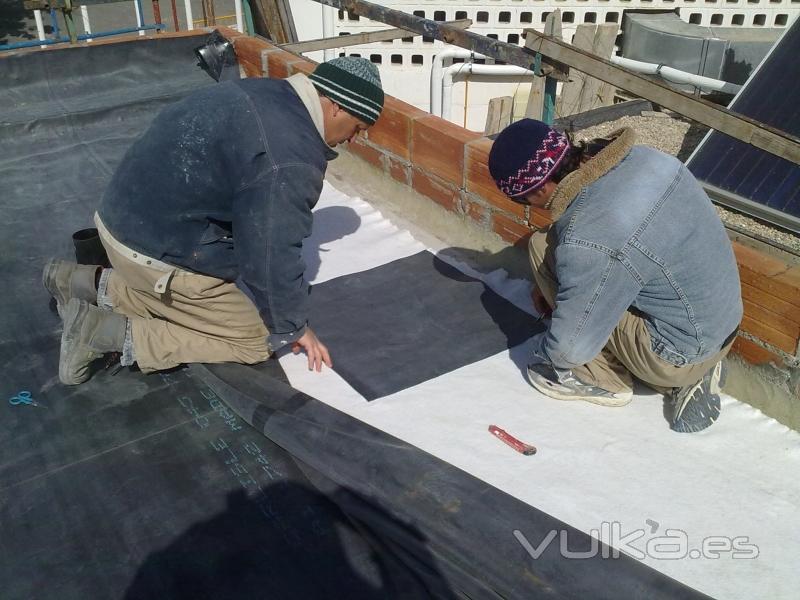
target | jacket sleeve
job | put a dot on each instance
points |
(594, 291)
(271, 218)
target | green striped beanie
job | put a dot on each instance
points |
(353, 83)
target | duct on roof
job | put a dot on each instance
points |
(726, 53)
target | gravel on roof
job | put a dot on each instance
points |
(679, 137)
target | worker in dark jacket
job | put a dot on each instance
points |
(636, 273)
(204, 222)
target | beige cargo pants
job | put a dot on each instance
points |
(178, 316)
(627, 353)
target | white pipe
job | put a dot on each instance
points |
(138, 20)
(435, 107)
(85, 16)
(237, 5)
(37, 14)
(470, 68)
(327, 30)
(187, 8)
(676, 76)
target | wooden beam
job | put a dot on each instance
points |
(569, 101)
(287, 20)
(535, 107)
(273, 20)
(738, 126)
(342, 41)
(498, 117)
(582, 92)
(598, 93)
(209, 16)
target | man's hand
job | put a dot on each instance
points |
(316, 350)
(540, 303)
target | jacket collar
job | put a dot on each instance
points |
(308, 95)
(600, 164)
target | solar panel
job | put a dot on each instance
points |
(748, 178)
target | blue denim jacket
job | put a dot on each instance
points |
(223, 183)
(638, 231)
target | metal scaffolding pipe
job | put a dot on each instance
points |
(37, 15)
(61, 40)
(237, 5)
(328, 29)
(187, 9)
(137, 5)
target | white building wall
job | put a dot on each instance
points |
(405, 64)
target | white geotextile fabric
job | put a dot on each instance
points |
(595, 465)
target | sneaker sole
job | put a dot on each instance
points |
(715, 388)
(560, 393)
(709, 413)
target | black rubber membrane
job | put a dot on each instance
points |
(211, 482)
(411, 320)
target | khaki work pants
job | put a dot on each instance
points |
(193, 318)
(627, 353)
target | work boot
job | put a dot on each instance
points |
(562, 384)
(89, 333)
(697, 406)
(65, 280)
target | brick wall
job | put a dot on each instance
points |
(448, 164)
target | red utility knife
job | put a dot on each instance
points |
(509, 439)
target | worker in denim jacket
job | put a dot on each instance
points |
(204, 221)
(636, 275)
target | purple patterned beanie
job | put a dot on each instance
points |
(525, 155)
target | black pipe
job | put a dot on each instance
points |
(89, 249)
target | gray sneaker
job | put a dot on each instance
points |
(563, 385)
(65, 280)
(89, 333)
(695, 407)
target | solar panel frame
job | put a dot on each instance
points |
(741, 176)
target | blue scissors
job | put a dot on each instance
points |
(23, 397)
